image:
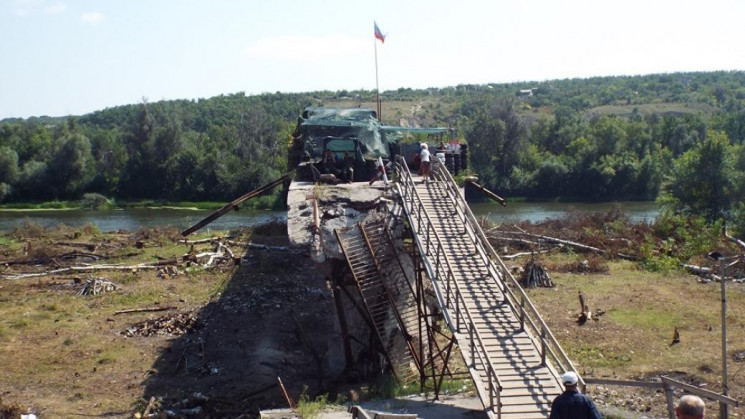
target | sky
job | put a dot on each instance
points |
(72, 57)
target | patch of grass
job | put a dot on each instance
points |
(18, 324)
(649, 318)
(454, 386)
(593, 356)
(311, 409)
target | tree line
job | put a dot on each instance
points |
(679, 136)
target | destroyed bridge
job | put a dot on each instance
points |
(411, 255)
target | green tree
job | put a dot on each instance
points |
(8, 165)
(496, 138)
(72, 166)
(702, 179)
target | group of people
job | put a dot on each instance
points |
(571, 404)
(341, 168)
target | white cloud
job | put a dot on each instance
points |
(26, 7)
(305, 48)
(92, 17)
(55, 8)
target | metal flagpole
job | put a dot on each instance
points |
(378, 106)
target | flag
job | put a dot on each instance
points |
(378, 33)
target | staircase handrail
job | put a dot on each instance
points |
(410, 196)
(549, 345)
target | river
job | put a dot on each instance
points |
(538, 211)
(133, 219)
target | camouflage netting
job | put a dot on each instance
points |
(355, 130)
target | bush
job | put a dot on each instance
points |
(94, 201)
(311, 409)
(5, 191)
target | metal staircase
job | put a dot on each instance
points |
(388, 297)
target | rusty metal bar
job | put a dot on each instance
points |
(233, 205)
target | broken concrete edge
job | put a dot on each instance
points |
(315, 211)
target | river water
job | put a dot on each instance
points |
(538, 211)
(133, 219)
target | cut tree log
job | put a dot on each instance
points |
(734, 239)
(568, 243)
(585, 313)
(145, 310)
(517, 255)
(256, 245)
(84, 269)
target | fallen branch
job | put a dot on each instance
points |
(561, 241)
(514, 240)
(255, 245)
(207, 240)
(517, 255)
(144, 310)
(227, 249)
(569, 243)
(90, 268)
(734, 239)
(698, 270)
(89, 246)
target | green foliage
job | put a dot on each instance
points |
(598, 138)
(386, 387)
(678, 237)
(311, 409)
(94, 201)
(702, 179)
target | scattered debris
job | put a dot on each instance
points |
(590, 265)
(97, 286)
(171, 325)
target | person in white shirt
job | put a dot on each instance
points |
(425, 155)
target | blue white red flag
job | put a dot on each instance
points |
(378, 33)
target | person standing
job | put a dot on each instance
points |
(425, 156)
(571, 404)
(690, 407)
(381, 172)
(347, 167)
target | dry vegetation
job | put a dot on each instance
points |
(632, 339)
(64, 354)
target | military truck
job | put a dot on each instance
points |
(324, 134)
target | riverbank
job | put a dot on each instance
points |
(186, 214)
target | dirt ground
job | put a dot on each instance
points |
(230, 333)
(223, 335)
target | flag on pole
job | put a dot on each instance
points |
(378, 33)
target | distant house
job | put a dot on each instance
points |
(525, 92)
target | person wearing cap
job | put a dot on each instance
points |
(690, 407)
(571, 404)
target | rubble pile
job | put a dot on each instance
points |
(168, 325)
(97, 286)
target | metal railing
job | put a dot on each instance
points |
(448, 292)
(513, 292)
